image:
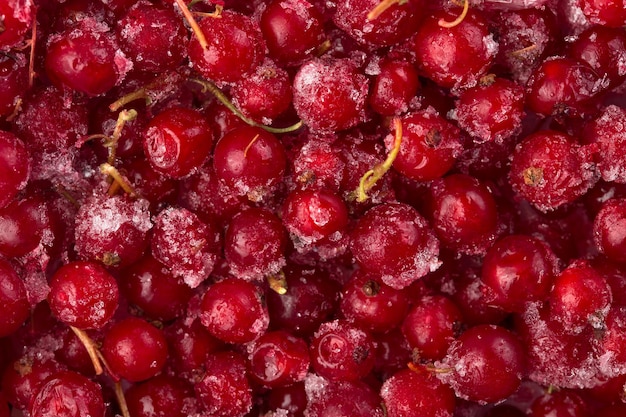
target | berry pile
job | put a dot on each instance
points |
(311, 208)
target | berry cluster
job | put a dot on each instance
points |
(310, 208)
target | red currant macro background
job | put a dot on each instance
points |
(312, 208)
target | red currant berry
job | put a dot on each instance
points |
(224, 390)
(330, 94)
(14, 167)
(278, 359)
(235, 47)
(234, 311)
(487, 364)
(134, 349)
(417, 393)
(342, 351)
(395, 242)
(454, 56)
(250, 161)
(83, 295)
(13, 300)
(178, 141)
(68, 394)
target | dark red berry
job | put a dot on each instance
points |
(152, 37)
(549, 169)
(396, 23)
(235, 47)
(394, 87)
(311, 299)
(13, 300)
(293, 30)
(518, 269)
(464, 213)
(330, 94)
(609, 229)
(278, 359)
(185, 244)
(14, 166)
(161, 396)
(153, 288)
(492, 110)
(487, 364)
(17, 17)
(431, 326)
(255, 243)
(68, 394)
(112, 229)
(86, 59)
(134, 349)
(395, 242)
(561, 86)
(429, 148)
(234, 310)
(265, 94)
(83, 295)
(417, 393)
(454, 56)
(342, 351)
(178, 141)
(569, 304)
(372, 304)
(250, 161)
(224, 389)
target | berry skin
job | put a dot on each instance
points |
(112, 229)
(372, 304)
(395, 24)
(314, 219)
(431, 326)
(492, 110)
(429, 148)
(254, 244)
(292, 30)
(394, 88)
(518, 269)
(153, 38)
(278, 359)
(464, 213)
(83, 294)
(342, 351)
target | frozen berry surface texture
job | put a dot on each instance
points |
(308, 208)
